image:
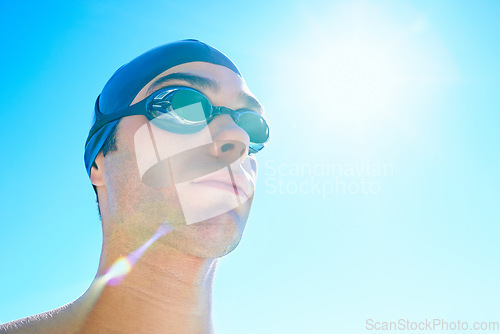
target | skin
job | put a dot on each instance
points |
(169, 289)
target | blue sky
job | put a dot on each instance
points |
(377, 197)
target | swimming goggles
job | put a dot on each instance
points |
(184, 110)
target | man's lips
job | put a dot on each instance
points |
(222, 185)
(241, 184)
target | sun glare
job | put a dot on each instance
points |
(362, 66)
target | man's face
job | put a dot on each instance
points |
(202, 183)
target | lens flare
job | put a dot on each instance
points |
(117, 272)
(124, 264)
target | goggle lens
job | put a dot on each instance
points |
(185, 110)
(254, 125)
(190, 105)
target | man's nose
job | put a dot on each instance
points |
(230, 142)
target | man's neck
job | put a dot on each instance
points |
(166, 292)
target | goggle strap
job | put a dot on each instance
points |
(103, 119)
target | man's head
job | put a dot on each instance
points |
(200, 182)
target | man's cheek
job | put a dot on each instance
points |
(164, 162)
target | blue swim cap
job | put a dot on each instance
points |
(128, 80)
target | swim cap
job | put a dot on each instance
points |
(128, 80)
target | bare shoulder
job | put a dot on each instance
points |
(24, 325)
(54, 321)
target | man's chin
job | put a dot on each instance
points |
(210, 238)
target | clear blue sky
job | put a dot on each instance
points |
(378, 196)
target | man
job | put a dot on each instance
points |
(171, 157)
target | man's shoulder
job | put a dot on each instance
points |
(54, 321)
(29, 324)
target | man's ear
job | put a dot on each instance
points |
(97, 171)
